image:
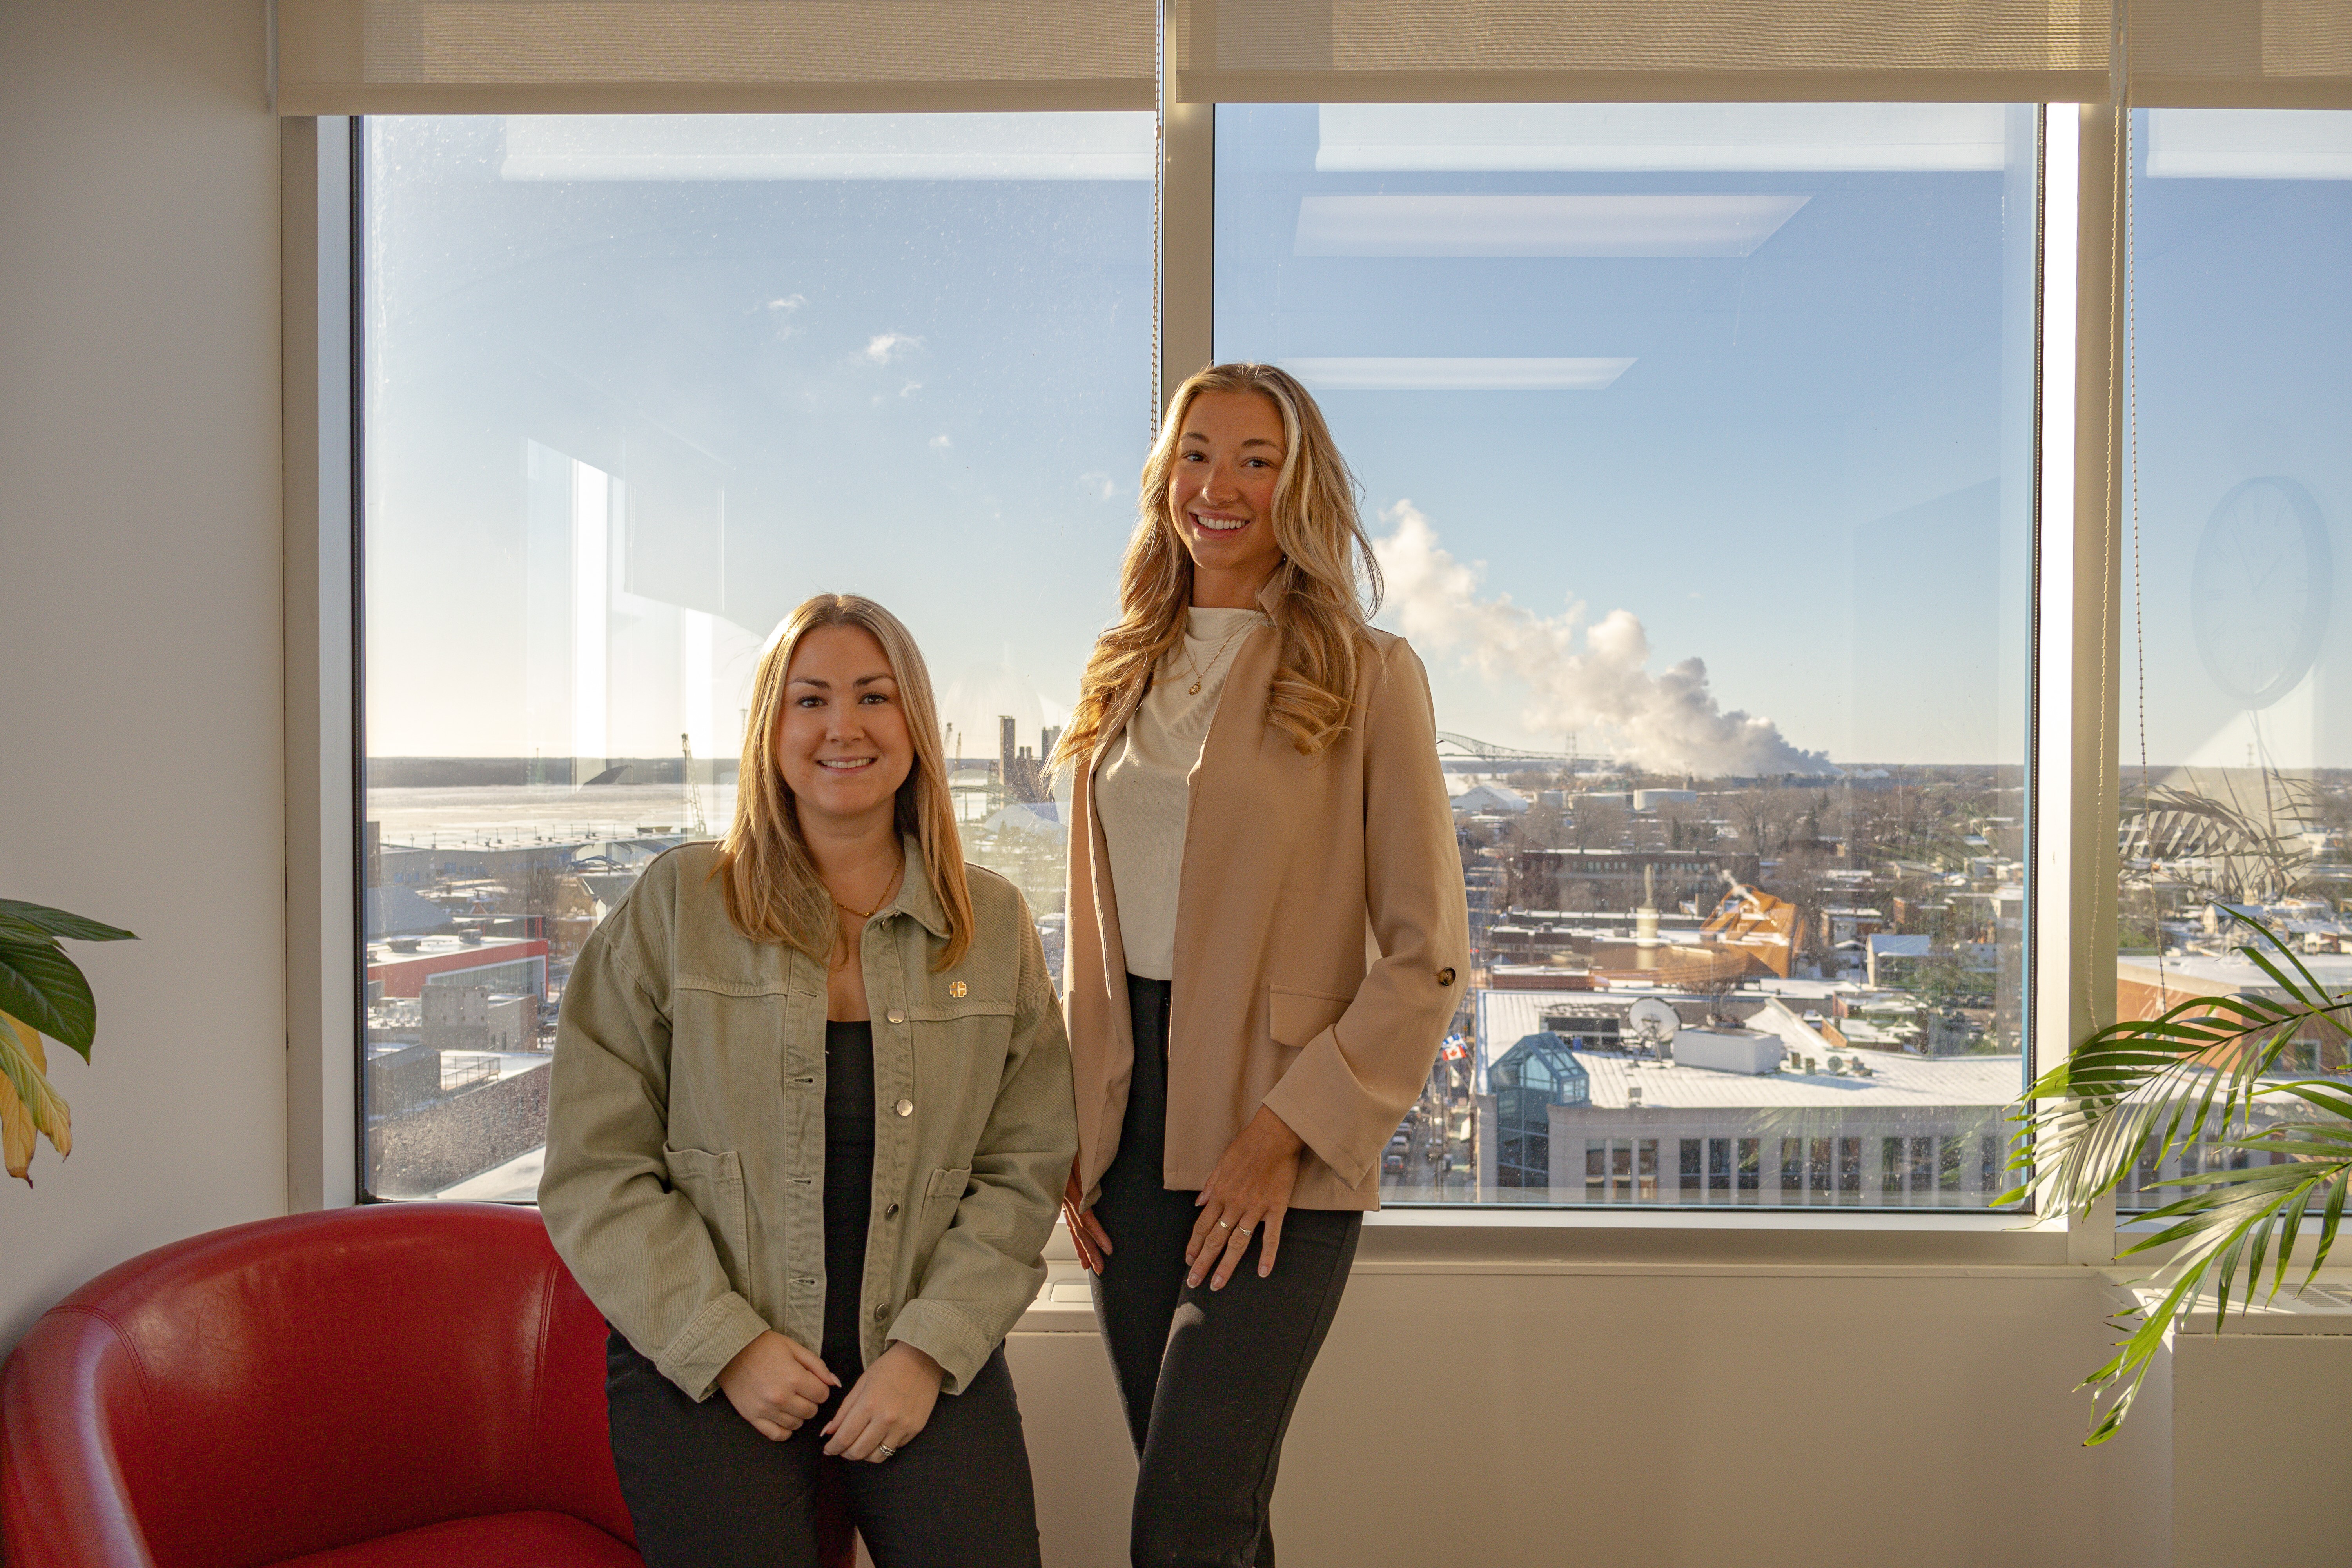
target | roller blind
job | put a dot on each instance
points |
(378, 56)
(339, 57)
(2248, 54)
(1642, 50)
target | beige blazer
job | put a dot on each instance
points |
(1322, 941)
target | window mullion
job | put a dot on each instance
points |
(2080, 631)
(1187, 260)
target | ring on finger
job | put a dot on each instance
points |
(887, 1451)
(1225, 1225)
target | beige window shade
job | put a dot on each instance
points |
(1642, 50)
(2245, 53)
(378, 56)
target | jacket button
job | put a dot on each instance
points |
(890, 1213)
(1445, 976)
(881, 1314)
(898, 1015)
(905, 1108)
(957, 989)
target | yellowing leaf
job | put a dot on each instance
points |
(28, 1105)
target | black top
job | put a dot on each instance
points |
(848, 1187)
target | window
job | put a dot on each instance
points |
(2235, 796)
(633, 387)
(1698, 443)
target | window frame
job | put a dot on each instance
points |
(2073, 663)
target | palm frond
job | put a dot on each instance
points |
(2149, 1089)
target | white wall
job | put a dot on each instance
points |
(1714, 1409)
(1667, 1408)
(141, 777)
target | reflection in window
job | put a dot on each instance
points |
(1697, 441)
(2236, 794)
(636, 386)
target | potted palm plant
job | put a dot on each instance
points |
(2139, 1092)
(42, 991)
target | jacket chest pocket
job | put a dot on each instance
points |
(958, 1052)
(739, 1031)
(984, 1029)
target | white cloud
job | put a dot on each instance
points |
(781, 313)
(940, 443)
(884, 347)
(911, 388)
(1582, 676)
(1097, 485)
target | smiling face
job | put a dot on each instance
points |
(1220, 494)
(842, 743)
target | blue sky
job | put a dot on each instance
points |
(912, 358)
(1808, 477)
(2244, 329)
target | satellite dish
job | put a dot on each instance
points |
(1655, 1022)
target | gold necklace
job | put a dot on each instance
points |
(868, 914)
(1199, 674)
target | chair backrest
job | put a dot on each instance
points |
(301, 1384)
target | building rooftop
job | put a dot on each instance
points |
(2230, 971)
(1895, 1078)
(489, 950)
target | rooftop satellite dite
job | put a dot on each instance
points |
(1655, 1023)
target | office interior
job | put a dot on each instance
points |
(1505, 1383)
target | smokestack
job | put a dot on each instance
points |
(1006, 749)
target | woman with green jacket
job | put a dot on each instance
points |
(810, 1121)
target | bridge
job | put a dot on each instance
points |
(1471, 745)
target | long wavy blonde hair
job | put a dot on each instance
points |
(773, 892)
(1327, 584)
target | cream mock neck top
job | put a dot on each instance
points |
(1143, 788)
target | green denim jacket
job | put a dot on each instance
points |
(685, 1171)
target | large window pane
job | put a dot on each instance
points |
(2235, 790)
(635, 386)
(1697, 440)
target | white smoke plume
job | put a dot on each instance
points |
(1589, 677)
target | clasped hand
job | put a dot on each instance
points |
(1250, 1187)
(778, 1385)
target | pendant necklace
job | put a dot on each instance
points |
(1199, 674)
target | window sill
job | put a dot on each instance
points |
(1569, 1241)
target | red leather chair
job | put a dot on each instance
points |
(409, 1386)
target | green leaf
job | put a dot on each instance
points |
(2290, 1224)
(2328, 1097)
(2328, 1220)
(46, 922)
(42, 986)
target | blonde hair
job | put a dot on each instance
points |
(1327, 584)
(772, 889)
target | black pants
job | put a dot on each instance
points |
(706, 1491)
(1209, 1378)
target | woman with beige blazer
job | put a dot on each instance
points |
(1267, 940)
